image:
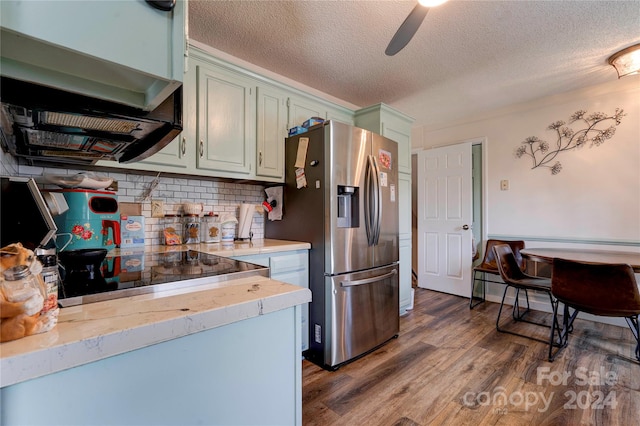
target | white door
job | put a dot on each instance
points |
(444, 219)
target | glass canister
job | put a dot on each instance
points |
(171, 234)
(50, 276)
(21, 285)
(210, 229)
(191, 229)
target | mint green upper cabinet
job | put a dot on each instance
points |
(226, 121)
(172, 156)
(390, 123)
(301, 109)
(124, 51)
(341, 115)
(179, 156)
(271, 132)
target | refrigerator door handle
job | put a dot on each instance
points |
(368, 280)
(367, 201)
(378, 202)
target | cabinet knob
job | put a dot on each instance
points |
(201, 149)
(260, 158)
(183, 147)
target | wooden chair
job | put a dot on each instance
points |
(488, 266)
(513, 276)
(600, 289)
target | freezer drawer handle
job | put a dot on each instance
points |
(368, 280)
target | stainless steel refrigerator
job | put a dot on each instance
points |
(341, 195)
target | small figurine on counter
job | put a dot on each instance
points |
(23, 295)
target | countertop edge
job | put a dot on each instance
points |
(58, 357)
(42, 354)
(238, 248)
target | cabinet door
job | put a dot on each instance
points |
(405, 274)
(401, 133)
(172, 158)
(301, 110)
(226, 122)
(404, 204)
(404, 231)
(392, 124)
(294, 269)
(172, 155)
(290, 267)
(340, 115)
(271, 132)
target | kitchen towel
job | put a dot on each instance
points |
(274, 193)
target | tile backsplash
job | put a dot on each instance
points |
(217, 197)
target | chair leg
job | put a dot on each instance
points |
(555, 325)
(563, 339)
(635, 329)
(567, 328)
(473, 287)
(517, 316)
(504, 294)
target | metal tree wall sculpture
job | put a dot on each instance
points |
(567, 139)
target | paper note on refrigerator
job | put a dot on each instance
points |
(301, 156)
(301, 180)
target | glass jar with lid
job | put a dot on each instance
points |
(50, 275)
(171, 230)
(210, 228)
(191, 229)
(20, 285)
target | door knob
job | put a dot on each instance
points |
(465, 227)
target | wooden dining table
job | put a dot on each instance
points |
(546, 255)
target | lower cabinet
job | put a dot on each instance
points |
(291, 267)
(248, 372)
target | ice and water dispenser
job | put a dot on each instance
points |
(348, 208)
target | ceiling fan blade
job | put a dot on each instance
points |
(407, 30)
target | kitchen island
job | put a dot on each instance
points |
(223, 353)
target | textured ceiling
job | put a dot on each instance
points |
(467, 58)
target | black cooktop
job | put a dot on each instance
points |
(139, 273)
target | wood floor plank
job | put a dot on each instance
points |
(450, 366)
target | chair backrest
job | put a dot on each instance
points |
(507, 263)
(596, 288)
(489, 260)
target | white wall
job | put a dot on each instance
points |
(596, 196)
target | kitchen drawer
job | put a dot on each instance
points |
(258, 259)
(282, 265)
(290, 267)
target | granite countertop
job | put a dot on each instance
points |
(99, 330)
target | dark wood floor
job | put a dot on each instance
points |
(450, 366)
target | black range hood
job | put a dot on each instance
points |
(39, 123)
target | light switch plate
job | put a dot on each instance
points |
(157, 208)
(504, 185)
